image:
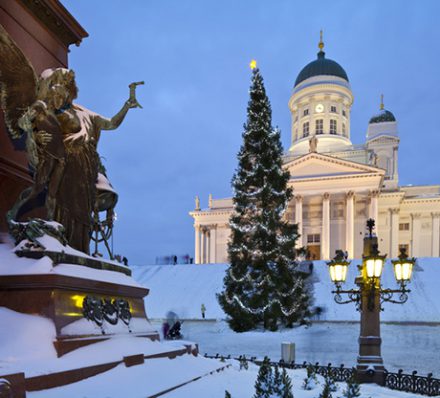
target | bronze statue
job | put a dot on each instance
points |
(61, 139)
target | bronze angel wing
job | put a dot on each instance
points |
(18, 83)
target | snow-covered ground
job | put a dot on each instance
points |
(184, 288)
(410, 332)
(157, 375)
(241, 385)
(407, 347)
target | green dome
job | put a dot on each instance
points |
(383, 116)
(321, 66)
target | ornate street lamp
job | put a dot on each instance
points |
(369, 297)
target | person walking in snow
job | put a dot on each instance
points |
(203, 308)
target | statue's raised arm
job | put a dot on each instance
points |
(132, 102)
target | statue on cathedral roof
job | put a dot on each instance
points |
(313, 144)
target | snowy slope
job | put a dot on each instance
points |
(183, 289)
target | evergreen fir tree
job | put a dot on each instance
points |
(353, 389)
(327, 389)
(264, 382)
(277, 382)
(330, 380)
(262, 286)
(311, 380)
(286, 382)
(227, 394)
(243, 362)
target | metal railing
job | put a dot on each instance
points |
(423, 385)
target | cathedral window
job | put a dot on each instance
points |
(333, 126)
(306, 129)
(404, 226)
(333, 109)
(306, 112)
(319, 126)
(313, 238)
(343, 113)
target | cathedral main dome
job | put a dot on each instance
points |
(321, 66)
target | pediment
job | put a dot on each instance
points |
(317, 165)
(384, 139)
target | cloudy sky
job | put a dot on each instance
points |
(194, 56)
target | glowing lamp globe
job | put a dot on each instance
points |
(374, 266)
(403, 267)
(338, 270)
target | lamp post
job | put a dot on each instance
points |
(368, 298)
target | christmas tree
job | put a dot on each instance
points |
(262, 286)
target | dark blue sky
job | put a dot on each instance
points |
(194, 56)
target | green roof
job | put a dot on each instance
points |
(321, 66)
(383, 116)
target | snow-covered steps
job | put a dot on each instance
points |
(174, 388)
(154, 378)
(62, 378)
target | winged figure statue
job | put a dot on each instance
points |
(61, 140)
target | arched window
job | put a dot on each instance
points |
(319, 126)
(333, 126)
(306, 129)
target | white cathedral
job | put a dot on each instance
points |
(337, 185)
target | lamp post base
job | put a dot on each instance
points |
(370, 370)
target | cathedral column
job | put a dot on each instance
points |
(395, 175)
(213, 244)
(208, 246)
(349, 224)
(203, 246)
(299, 219)
(394, 232)
(415, 234)
(325, 234)
(435, 235)
(374, 209)
(197, 251)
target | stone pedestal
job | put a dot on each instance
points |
(62, 298)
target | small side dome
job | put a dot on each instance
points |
(383, 115)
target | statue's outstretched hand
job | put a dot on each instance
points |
(132, 101)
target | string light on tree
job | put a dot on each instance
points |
(263, 286)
